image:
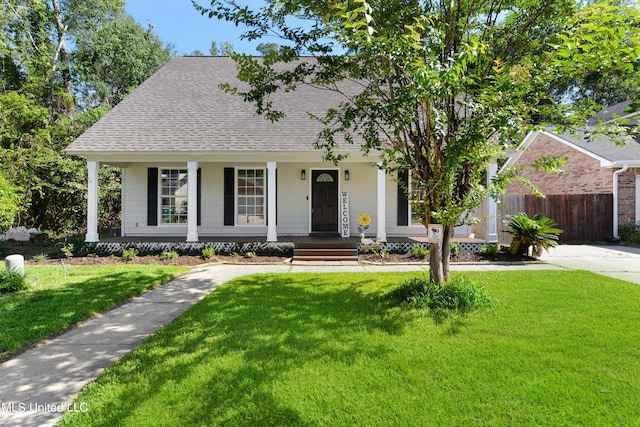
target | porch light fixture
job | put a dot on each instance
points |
(346, 175)
(303, 175)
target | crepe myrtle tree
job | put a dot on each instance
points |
(445, 86)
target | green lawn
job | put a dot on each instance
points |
(558, 349)
(57, 302)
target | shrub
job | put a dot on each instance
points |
(489, 249)
(418, 251)
(40, 257)
(169, 254)
(67, 250)
(455, 248)
(250, 255)
(536, 233)
(458, 294)
(5, 249)
(129, 254)
(382, 253)
(11, 281)
(9, 202)
(208, 253)
(630, 232)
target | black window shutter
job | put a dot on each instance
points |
(403, 200)
(229, 193)
(199, 195)
(152, 196)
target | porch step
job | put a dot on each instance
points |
(325, 251)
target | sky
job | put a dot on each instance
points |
(179, 23)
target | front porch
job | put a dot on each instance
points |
(257, 244)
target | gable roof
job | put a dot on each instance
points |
(181, 108)
(604, 147)
(601, 148)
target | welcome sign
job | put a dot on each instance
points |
(344, 214)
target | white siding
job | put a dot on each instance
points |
(293, 202)
(414, 230)
(363, 193)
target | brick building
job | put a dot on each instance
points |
(593, 167)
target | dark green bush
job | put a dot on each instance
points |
(458, 294)
(630, 232)
(11, 281)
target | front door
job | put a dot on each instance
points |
(324, 201)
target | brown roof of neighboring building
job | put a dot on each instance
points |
(181, 108)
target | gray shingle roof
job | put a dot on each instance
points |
(181, 108)
(614, 111)
(605, 147)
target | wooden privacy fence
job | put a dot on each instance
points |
(586, 217)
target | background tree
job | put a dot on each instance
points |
(225, 49)
(73, 17)
(9, 198)
(265, 48)
(446, 86)
(42, 108)
(115, 59)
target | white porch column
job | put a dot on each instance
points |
(272, 235)
(616, 200)
(192, 201)
(492, 207)
(382, 217)
(92, 201)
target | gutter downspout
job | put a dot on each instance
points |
(615, 199)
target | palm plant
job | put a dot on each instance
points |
(537, 233)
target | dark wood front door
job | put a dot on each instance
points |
(324, 201)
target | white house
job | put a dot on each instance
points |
(197, 161)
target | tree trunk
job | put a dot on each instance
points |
(446, 251)
(435, 263)
(65, 106)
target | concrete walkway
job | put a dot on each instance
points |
(619, 262)
(38, 386)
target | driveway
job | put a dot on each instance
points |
(620, 262)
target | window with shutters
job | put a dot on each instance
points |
(250, 200)
(173, 196)
(415, 197)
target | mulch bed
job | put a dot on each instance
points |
(191, 260)
(55, 257)
(462, 257)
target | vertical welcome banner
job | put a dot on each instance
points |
(344, 214)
